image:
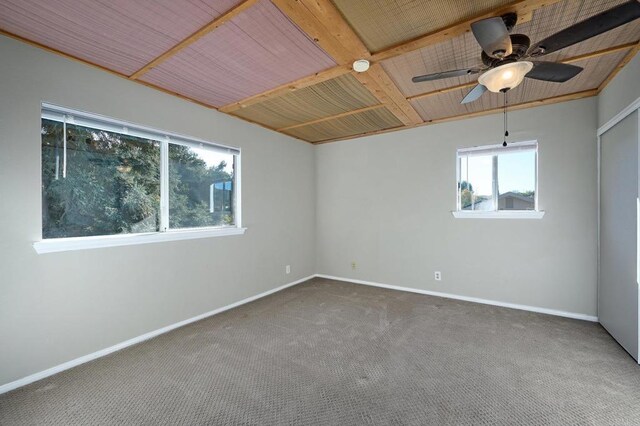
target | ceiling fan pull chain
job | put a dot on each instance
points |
(506, 113)
(506, 132)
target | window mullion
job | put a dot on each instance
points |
(459, 183)
(164, 186)
(535, 188)
(64, 148)
(237, 188)
(495, 183)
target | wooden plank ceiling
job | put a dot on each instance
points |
(286, 64)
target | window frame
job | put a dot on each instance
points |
(458, 213)
(86, 119)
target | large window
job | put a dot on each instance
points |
(102, 177)
(496, 178)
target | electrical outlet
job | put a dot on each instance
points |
(437, 275)
(287, 269)
(353, 265)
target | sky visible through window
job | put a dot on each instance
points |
(516, 172)
(212, 158)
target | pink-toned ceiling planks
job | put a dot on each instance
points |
(257, 50)
(122, 35)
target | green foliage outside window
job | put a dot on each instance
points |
(111, 184)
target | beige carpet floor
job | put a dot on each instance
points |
(332, 353)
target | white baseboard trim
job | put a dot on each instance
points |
(86, 358)
(468, 299)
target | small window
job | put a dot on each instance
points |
(103, 177)
(496, 178)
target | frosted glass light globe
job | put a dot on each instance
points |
(505, 76)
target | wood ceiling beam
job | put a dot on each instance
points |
(203, 31)
(120, 75)
(590, 55)
(524, 105)
(529, 104)
(332, 117)
(595, 54)
(322, 21)
(339, 41)
(441, 91)
(628, 57)
(100, 67)
(283, 89)
(385, 90)
(635, 46)
(523, 8)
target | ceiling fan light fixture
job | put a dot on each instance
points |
(507, 76)
(361, 65)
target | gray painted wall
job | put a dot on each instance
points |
(620, 92)
(382, 201)
(385, 203)
(56, 307)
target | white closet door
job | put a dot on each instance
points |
(618, 287)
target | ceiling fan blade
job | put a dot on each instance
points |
(474, 94)
(553, 71)
(588, 28)
(492, 34)
(444, 74)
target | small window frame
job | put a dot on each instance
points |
(165, 233)
(494, 150)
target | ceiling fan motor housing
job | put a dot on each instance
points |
(520, 44)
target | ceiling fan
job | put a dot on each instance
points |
(505, 56)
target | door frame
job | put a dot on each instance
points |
(630, 109)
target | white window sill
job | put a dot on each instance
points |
(82, 243)
(502, 214)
